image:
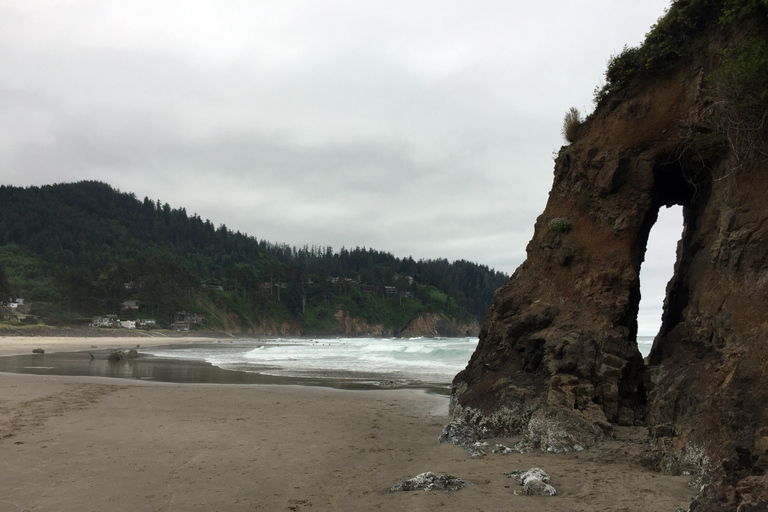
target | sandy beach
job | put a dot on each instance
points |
(17, 345)
(97, 444)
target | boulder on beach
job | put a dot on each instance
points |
(430, 482)
(535, 482)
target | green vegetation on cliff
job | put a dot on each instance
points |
(84, 249)
(675, 37)
(732, 36)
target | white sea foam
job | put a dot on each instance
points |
(644, 344)
(429, 360)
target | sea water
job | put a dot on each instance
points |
(350, 363)
(412, 360)
(644, 344)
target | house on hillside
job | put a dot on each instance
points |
(106, 321)
(180, 326)
(189, 318)
(128, 324)
(129, 304)
(9, 313)
(146, 322)
(14, 303)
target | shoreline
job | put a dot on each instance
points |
(22, 345)
(69, 356)
(38, 331)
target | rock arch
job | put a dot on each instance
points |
(557, 358)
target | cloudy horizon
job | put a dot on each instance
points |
(424, 129)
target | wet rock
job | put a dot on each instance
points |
(535, 481)
(116, 356)
(534, 487)
(559, 429)
(460, 433)
(430, 482)
(761, 441)
(761, 506)
(521, 476)
(752, 493)
(476, 449)
(666, 430)
(500, 448)
(466, 435)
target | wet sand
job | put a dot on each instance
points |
(94, 444)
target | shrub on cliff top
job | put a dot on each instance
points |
(671, 37)
(571, 124)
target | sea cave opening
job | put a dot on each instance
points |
(656, 271)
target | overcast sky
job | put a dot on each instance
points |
(421, 128)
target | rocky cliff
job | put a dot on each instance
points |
(557, 358)
(426, 324)
(432, 324)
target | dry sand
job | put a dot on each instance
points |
(17, 345)
(94, 444)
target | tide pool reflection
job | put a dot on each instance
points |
(165, 370)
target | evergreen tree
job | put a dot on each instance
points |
(91, 247)
(5, 285)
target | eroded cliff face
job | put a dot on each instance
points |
(432, 324)
(427, 324)
(558, 358)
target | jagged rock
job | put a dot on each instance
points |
(500, 448)
(662, 430)
(476, 449)
(349, 326)
(521, 476)
(459, 432)
(432, 324)
(466, 435)
(559, 343)
(761, 506)
(535, 481)
(534, 486)
(116, 356)
(559, 429)
(430, 482)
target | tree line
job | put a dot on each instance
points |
(83, 248)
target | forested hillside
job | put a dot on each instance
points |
(83, 249)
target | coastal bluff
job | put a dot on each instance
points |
(557, 359)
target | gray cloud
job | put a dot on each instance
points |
(422, 128)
